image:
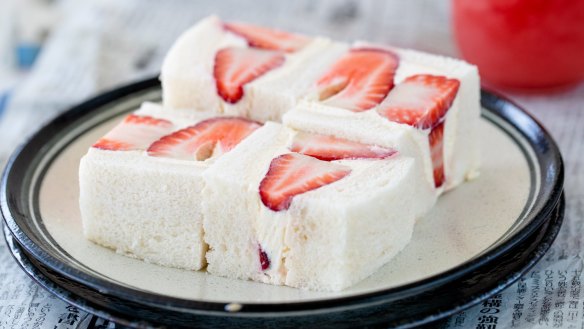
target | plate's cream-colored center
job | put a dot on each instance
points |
(464, 223)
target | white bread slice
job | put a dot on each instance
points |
(143, 208)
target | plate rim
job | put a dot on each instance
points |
(498, 105)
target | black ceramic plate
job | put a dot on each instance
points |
(491, 218)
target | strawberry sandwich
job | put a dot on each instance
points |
(310, 211)
(140, 184)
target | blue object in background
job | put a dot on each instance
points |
(26, 54)
(3, 102)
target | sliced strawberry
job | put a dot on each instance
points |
(112, 145)
(234, 67)
(330, 148)
(266, 38)
(264, 259)
(203, 140)
(436, 139)
(292, 174)
(359, 80)
(136, 132)
(421, 100)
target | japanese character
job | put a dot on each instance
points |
(488, 319)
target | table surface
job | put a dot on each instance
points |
(420, 24)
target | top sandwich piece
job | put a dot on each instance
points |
(241, 69)
(423, 105)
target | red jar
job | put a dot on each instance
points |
(522, 43)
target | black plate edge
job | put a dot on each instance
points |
(497, 105)
(546, 235)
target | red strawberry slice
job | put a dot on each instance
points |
(136, 132)
(292, 174)
(264, 259)
(420, 101)
(436, 139)
(359, 80)
(234, 67)
(203, 140)
(330, 148)
(266, 38)
(112, 145)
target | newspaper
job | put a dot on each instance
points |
(99, 45)
(549, 296)
(25, 304)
